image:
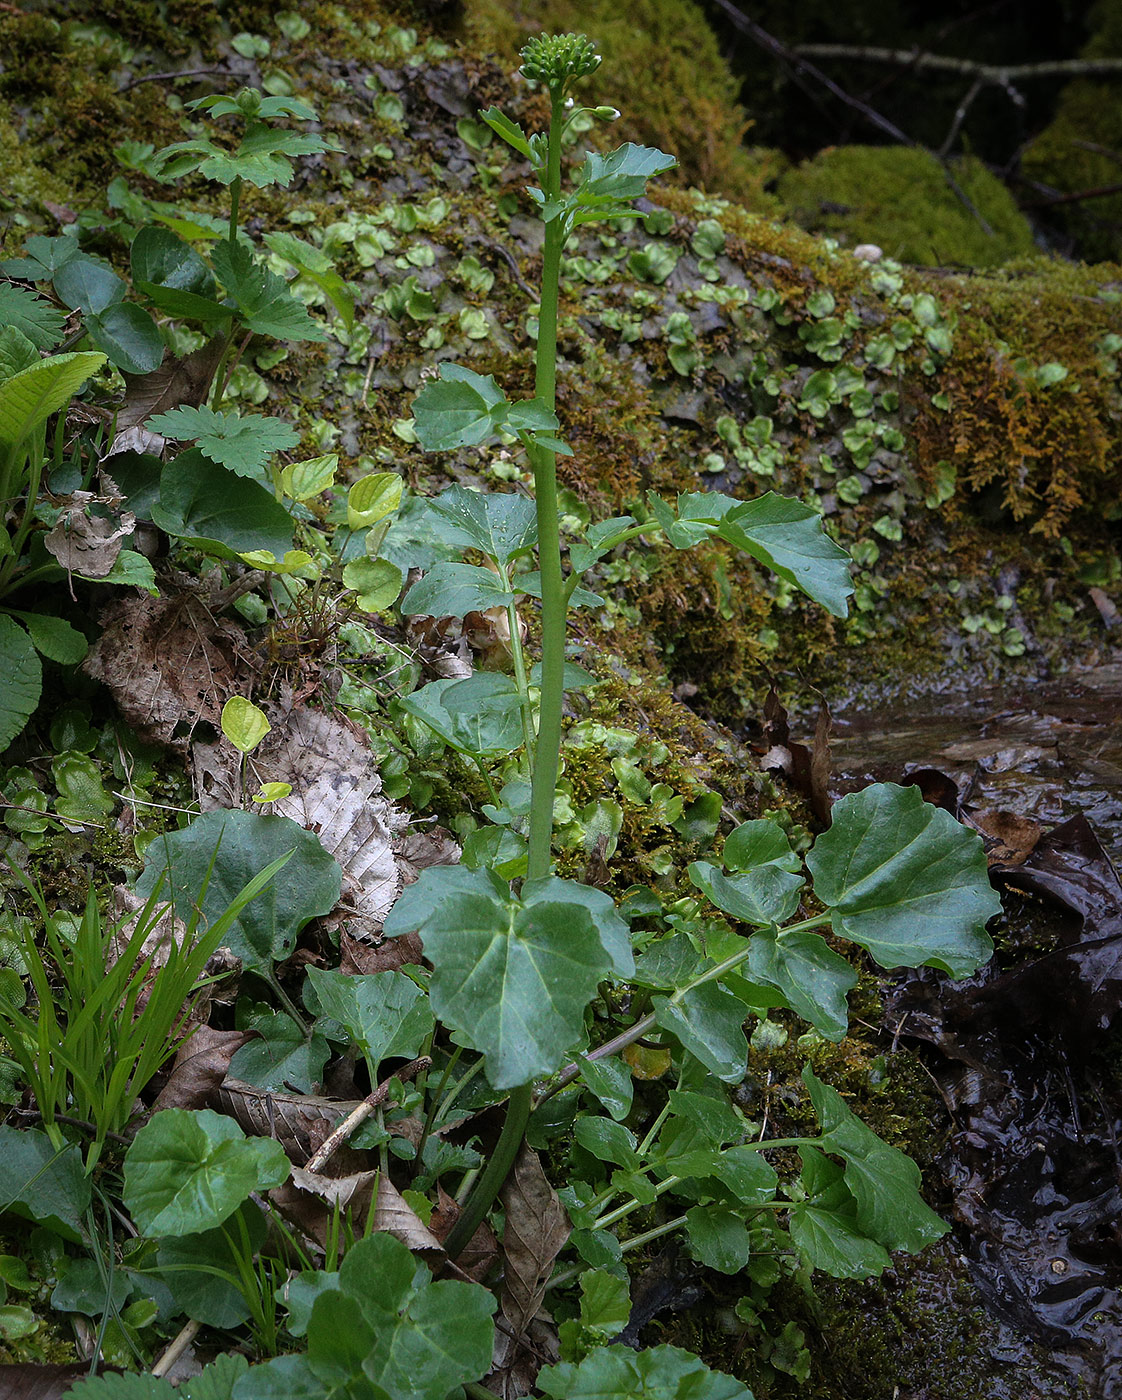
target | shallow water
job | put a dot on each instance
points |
(1045, 751)
(1024, 1054)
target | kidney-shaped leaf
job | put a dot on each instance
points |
(241, 844)
(430, 1337)
(618, 1373)
(188, 1172)
(906, 881)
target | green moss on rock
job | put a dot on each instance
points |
(900, 198)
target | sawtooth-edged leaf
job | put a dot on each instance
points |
(264, 301)
(317, 267)
(906, 881)
(31, 315)
(242, 444)
(29, 398)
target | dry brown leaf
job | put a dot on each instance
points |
(301, 1123)
(361, 958)
(308, 1200)
(481, 1253)
(169, 663)
(537, 1226)
(29, 1381)
(176, 382)
(394, 1216)
(200, 1067)
(515, 1362)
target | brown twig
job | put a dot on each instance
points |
(363, 1111)
(170, 77)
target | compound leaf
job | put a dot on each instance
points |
(242, 445)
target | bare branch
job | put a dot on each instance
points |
(999, 75)
(799, 64)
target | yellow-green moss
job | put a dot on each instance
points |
(899, 198)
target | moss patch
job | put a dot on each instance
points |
(900, 199)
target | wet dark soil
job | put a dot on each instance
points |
(1028, 1054)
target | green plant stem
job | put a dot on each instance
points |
(491, 1178)
(547, 750)
(612, 1216)
(287, 1002)
(650, 1022)
(546, 760)
(518, 656)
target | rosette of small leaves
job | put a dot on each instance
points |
(556, 60)
(265, 154)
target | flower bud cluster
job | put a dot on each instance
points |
(558, 59)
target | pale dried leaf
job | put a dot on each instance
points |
(537, 1226)
(394, 1217)
(336, 792)
(309, 1200)
(301, 1123)
(88, 544)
